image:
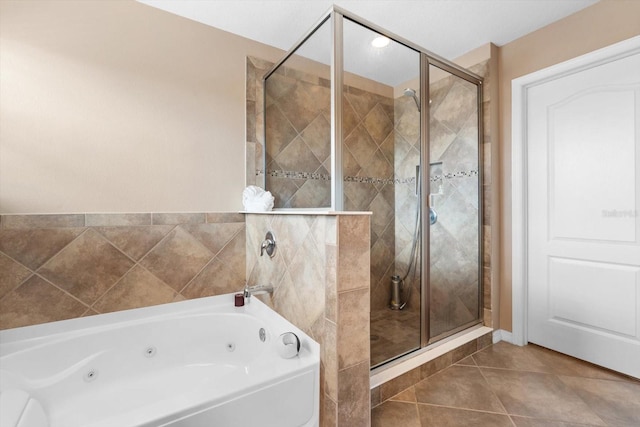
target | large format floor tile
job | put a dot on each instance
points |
(460, 387)
(535, 394)
(507, 385)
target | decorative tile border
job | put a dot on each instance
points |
(363, 179)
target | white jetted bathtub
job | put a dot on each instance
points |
(194, 363)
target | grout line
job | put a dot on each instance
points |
(464, 409)
(63, 290)
(490, 387)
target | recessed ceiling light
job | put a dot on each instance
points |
(380, 41)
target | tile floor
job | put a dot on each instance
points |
(393, 333)
(511, 386)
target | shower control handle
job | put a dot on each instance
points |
(268, 245)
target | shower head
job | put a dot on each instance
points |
(412, 94)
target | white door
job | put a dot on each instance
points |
(583, 213)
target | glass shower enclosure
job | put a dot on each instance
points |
(357, 119)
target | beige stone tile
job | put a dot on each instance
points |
(316, 330)
(251, 80)
(507, 356)
(111, 220)
(233, 254)
(135, 241)
(329, 356)
(463, 351)
(361, 145)
(375, 397)
(617, 403)
(138, 288)
(392, 413)
(353, 328)
(387, 147)
(349, 118)
(350, 166)
(354, 403)
(409, 395)
(214, 236)
(353, 252)
(457, 106)
(307, 271)
(460, 387)
(224, 217)
(33, 247)
(297, 156)
(42, 221)
(279, 131)
(90, 312)
(178, 218)
(533, 394)
(486, 287)
(250, 123)
(11, 274)
(361, 101)
(400, 383)
(436, 365)
(35, 302)
(450, 417)
(331, 291)
(179, 298)
(290, 232)
(378, 124)
(87, 267)
(487, 318)
(265, 270)
(539, 422)
(330, 412)
(485, 341)
(467, 361)
(313, 193)
(302, 105)
(562, 364)
(177, 248)
(318, 138)
(216, 278)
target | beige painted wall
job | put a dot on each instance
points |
(595, 27)
(114, 106)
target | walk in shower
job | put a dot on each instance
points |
(357, 119)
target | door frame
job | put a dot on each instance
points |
(519, 161)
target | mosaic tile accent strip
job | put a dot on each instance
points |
(364, 179)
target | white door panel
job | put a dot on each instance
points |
(583, 157)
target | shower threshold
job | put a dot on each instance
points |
(406, 363)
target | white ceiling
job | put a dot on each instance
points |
(448, 28)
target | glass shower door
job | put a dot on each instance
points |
(454, 202)
(380, 155)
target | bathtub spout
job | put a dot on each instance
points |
(256, 290)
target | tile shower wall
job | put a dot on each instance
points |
(320, 273)
(298, 105)
(454, 194)
(368, 159)
(56, 267)
(299, 131)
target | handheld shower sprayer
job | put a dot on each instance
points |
(412, 94)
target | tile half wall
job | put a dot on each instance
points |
(56, 267)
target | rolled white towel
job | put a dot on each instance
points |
(255, 199)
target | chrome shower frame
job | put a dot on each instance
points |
(427, 58)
